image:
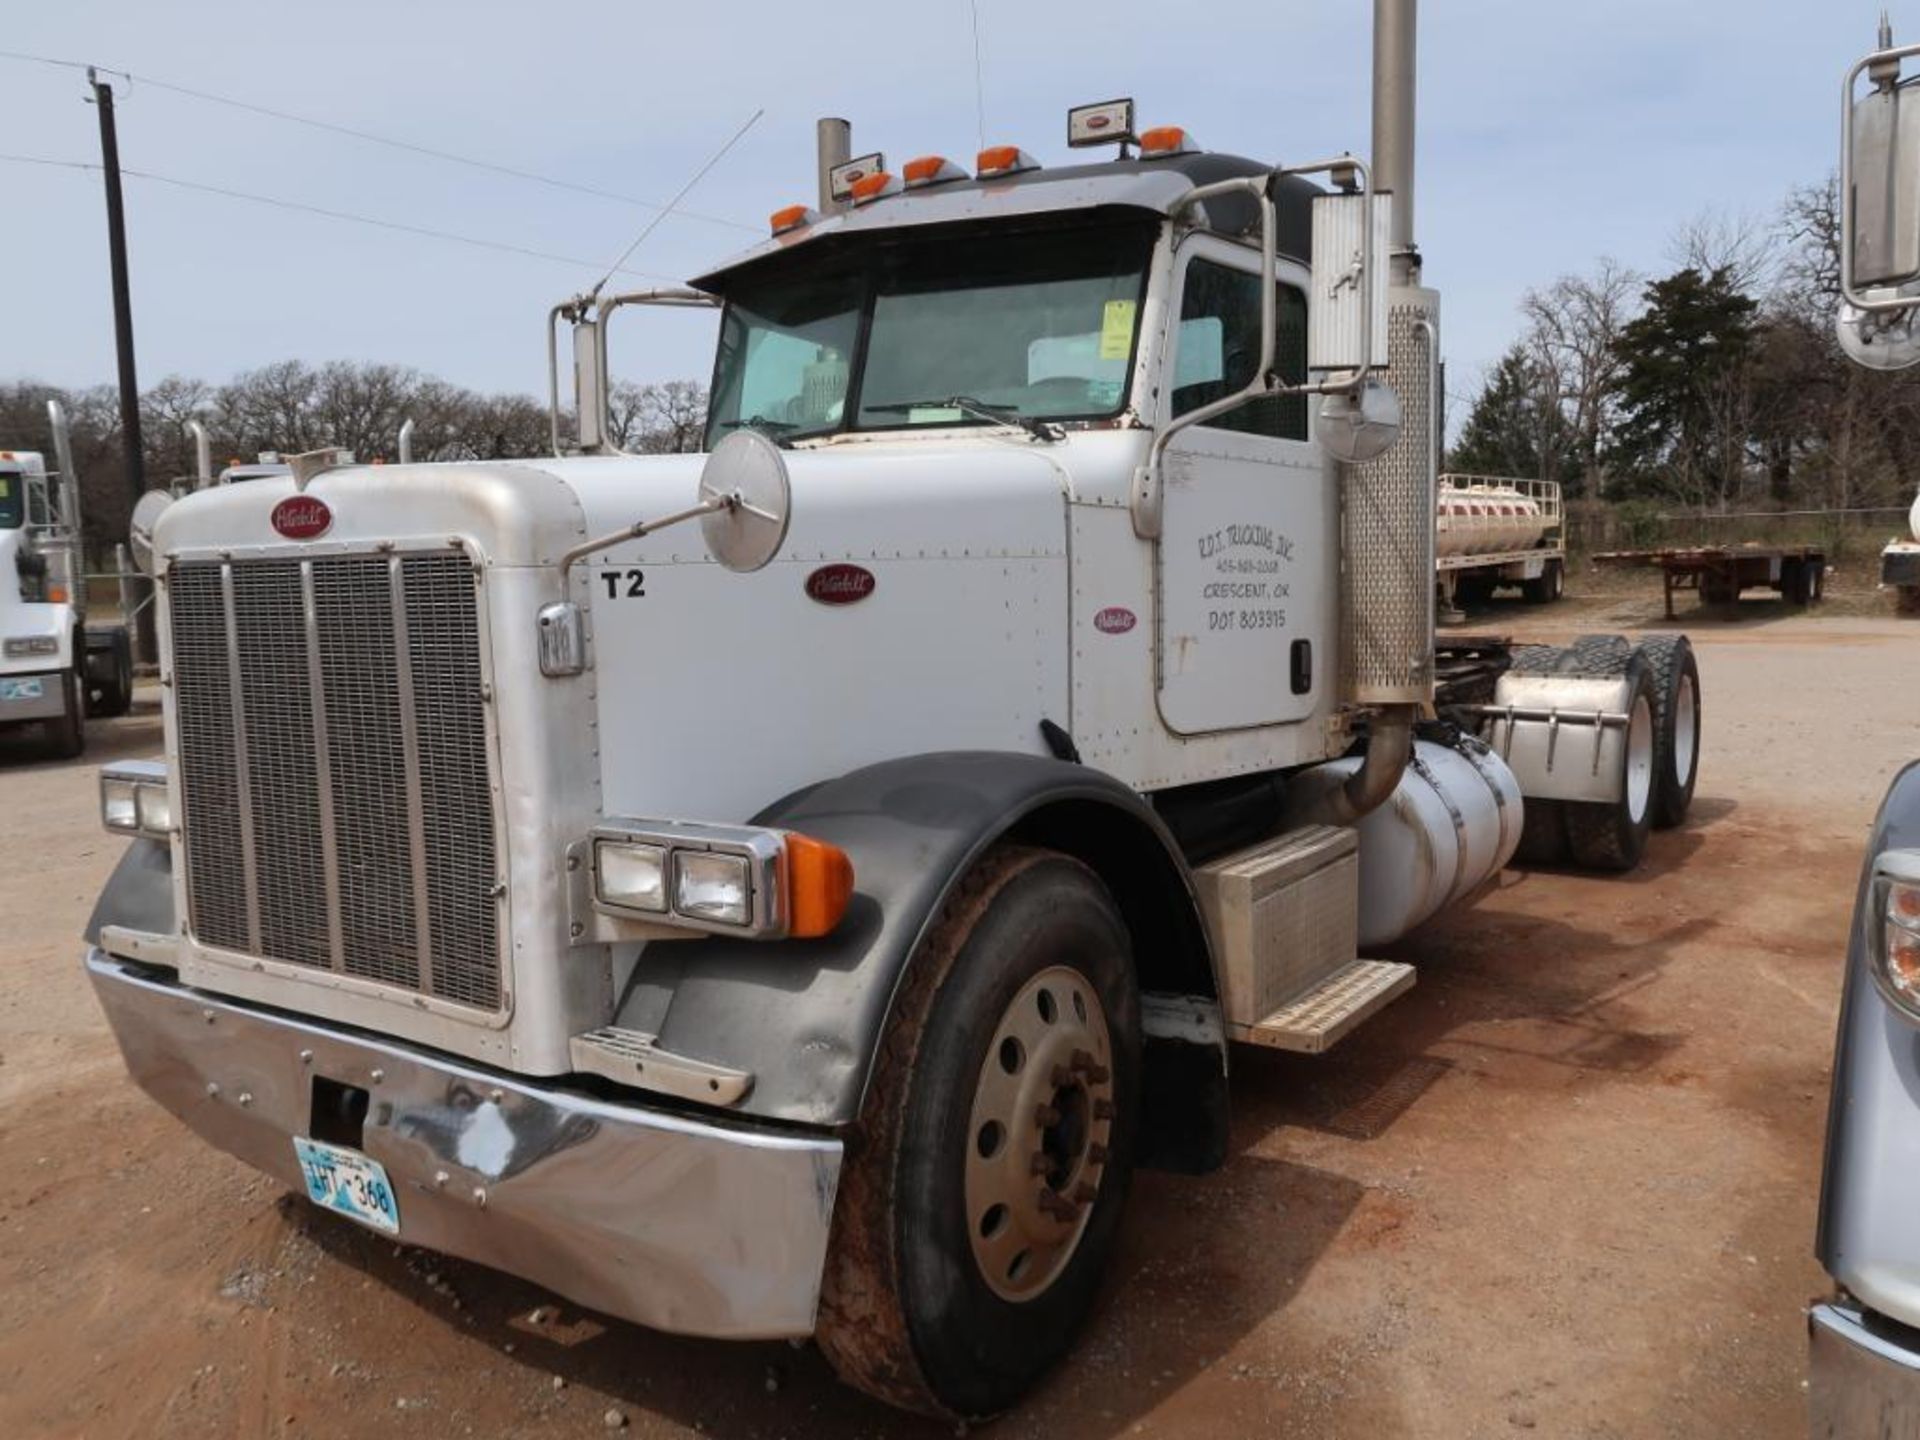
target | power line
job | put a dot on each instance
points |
(303, 207)
(371, 138)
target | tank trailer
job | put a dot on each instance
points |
(804, 925)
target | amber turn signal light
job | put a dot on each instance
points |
(819, 885)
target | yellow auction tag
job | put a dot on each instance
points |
(1116, 330)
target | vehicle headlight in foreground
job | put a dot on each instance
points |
(727, 879)
(134, 799)
(1895, 922)
(19, 647)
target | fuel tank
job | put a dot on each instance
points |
(1452, 823)
(1486, 519)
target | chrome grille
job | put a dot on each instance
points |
(336, 796)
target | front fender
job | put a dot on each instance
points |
(805, 1016)
(139, 893)
(1867, 1240)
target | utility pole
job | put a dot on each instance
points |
(144, 641)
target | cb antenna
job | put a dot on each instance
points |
(979, 89)
(672, 204)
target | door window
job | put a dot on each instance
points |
(1219, 347)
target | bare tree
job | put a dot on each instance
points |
(1746, 247)
(1572, 328)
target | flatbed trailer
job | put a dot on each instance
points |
(1719, 573)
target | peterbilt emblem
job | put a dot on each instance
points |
(1099, 122)
(1115, 620)
(840, 584)
(302, 517)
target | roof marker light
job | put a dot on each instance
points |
(1165, 140)
(931, 170)
(869, 188)
(998, 160)
(794, 217)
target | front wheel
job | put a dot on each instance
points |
(66, 734)
(984, 1185)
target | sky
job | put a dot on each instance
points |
(1550, 134)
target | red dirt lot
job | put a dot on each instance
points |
(1565, 1187)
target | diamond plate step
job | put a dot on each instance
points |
(1317, 1019)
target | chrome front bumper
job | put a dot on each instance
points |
(1861, 1380)
(685, 1226)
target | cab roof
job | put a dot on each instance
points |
(1153, 186)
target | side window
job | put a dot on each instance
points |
(1219, 345)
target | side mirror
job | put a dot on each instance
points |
(1347, 308)
(146, 513)
(1880, 212)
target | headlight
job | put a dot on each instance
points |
(632, 877)
(1896, 929)
(134, 799)
(728, 879)
(18, 647)
(711, 886)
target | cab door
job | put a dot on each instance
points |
(1242, 574)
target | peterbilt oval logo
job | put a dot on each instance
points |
(1099, 122)
(302, 517)
(1115, 620)
(840, 584)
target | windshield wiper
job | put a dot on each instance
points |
(980, 410)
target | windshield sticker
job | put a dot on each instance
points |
(1116, 329)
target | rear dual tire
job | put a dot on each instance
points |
(984, 1184)
(1612, 834)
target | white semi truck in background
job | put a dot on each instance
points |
(806, 927)
(55, 667)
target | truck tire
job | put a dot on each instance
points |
(1612, 834)
(66, 735)
(984, 1182)
(113, 696)
(1472, 590)
(1676, 725)
(1543, 833)
(1796, 583)
(1551, 585)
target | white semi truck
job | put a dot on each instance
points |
(804, 926)
(55, 667)
(1900, 565)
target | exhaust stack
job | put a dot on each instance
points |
(833, 141)
(1387, 514)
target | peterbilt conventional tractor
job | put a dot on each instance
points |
(56, 668)
(787, 891)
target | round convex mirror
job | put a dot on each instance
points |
(749, 469)
(1359, 426)
(1879, 339)
(146, 511)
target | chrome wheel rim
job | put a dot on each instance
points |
(1639, 760)
(1686, 737)
(1038, 1133)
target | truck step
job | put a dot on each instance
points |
(1316, 1019)
(633, 1057)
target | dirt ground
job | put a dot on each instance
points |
(1566, 1186)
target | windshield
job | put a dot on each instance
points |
(10, 502)
(916, 330)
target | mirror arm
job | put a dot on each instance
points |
(1878, 61)
(647, 527)
(1146, 500)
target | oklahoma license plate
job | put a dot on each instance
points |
(348, 1182)
(21, 689)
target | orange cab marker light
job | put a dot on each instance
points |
(931, 170)
(1165, 140)
(871, 187)
(819, 885)
(1003, 160)
(792, 217)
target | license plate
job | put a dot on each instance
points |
(348, 1182)
(21, 689)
